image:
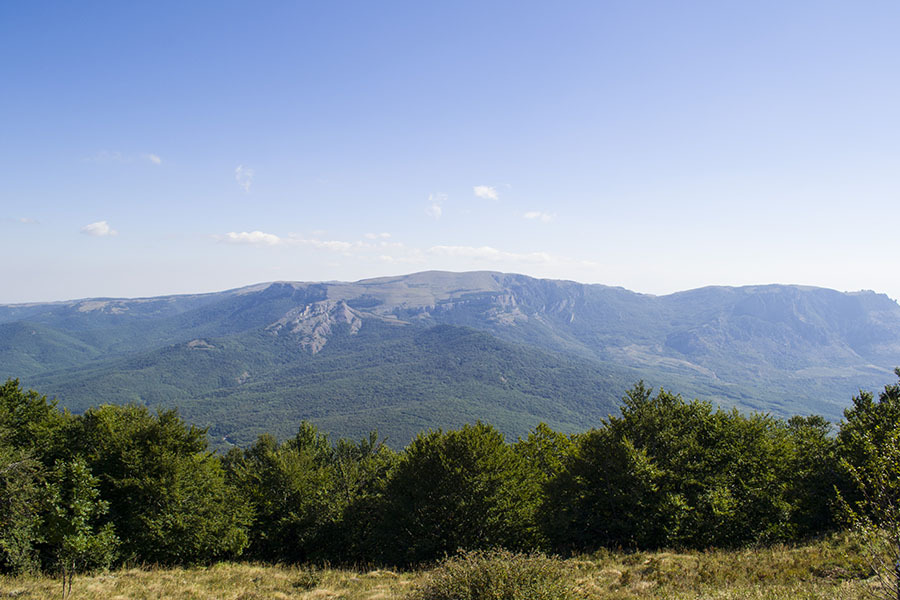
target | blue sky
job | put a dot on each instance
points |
(177, 147)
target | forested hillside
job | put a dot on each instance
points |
(441, 349)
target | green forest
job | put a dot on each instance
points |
(120, 485)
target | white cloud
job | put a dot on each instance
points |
(378, 248)
(333, 245)
(98, 229)
(536, 215)
(413, 257)
(244, 177)
(514, 260)
(486, 192)
(258, 238)
(434, 210)
(489, 253)
(28, 221)
(107, 156)
(261, 238)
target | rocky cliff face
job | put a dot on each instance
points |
(313, 324)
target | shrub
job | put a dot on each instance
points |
(497, 575)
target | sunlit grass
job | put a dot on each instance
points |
(831, 568)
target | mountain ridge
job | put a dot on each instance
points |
(776, 348)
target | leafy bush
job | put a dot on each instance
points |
(497, 575)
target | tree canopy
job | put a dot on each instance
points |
(122, 483)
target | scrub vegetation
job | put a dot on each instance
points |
(827, 568)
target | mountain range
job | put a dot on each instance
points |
(437, 349)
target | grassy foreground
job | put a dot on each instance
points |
(831, 568)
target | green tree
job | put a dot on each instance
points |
(814, 473)
(359, 474)
(875, 515)
(30, 422)
(73, 532)
(869, 442)
(167, 494)
(21, 502)
(605, 496)
(545, 452)
(457, 489)
(312, 500)
(868, 427)
(31, 431)
(670, 472)
(290, 490)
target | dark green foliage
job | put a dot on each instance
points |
(457, 489)
(875, 515)
(360, 472)
(545, 452)
(30, 432)
(870, 444)
(605, 495)
(665, 473)
(77, 542)
(312, 500)
(814, 472)
(289, 489)
(167, 495)
(21, 502)
(498, 575)
(869, 426)
(674, 473)
(28, 421)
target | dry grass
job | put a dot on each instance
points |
(827, 569)
(224, 581)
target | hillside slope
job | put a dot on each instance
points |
(406, 353)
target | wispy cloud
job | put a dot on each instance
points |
(381, 248)
(434, 209)
(28, 221)
(257, 238)
(244, 177)
(412, 257)
(261, 238)
(486, 192)
(108, 156)
(536, 215)
(489, 253)
(98, 229)
(332, 245)
(494, 255)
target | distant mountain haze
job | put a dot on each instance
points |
(437, 349)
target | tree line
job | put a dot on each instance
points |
(125, 485)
